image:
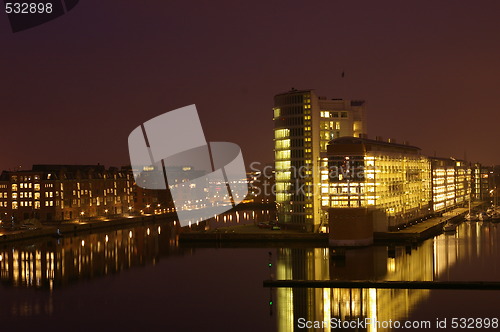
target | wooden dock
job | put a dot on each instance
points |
(383, 284)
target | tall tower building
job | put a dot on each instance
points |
(304, 123)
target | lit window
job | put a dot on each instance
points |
(276, 112)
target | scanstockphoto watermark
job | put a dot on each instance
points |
(336, 323)
(437, 323)
(262, 182)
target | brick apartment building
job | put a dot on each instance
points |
(65, 192)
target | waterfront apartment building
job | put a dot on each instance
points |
(378, 186)
(304, 123)
(373, 185)
(451, 183)
(484, 181)
(65, 192)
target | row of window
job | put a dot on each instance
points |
(35, 204)
(292, 99)
(329, 114)
(36, 186)
(27, 177)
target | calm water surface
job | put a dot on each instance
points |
(141, 278)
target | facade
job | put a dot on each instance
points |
(451, 183)
(484, 181)
(377, 184)
(304, 123)
(152, 201)
(65, 192)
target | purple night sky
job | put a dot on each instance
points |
(72, 90)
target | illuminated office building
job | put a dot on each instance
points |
(304, 123)
(484, 181)
(451, 181)
(372, 185)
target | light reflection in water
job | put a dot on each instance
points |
(60, 261)
(54, 263)
(233, 218)
(431, 260)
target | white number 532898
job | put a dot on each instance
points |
(28, 8)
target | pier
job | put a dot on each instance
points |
(383, 284)
(426, 229)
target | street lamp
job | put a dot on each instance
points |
(82, 214)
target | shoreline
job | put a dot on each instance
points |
(74, 228)
(239, 235)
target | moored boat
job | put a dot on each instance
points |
(449, 227)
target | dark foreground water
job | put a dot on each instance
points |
(140, 278)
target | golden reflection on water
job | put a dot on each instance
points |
(53, 263)
(56, 262)
(323, 304)
(430, 260)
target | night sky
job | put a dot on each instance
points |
(72, 90)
